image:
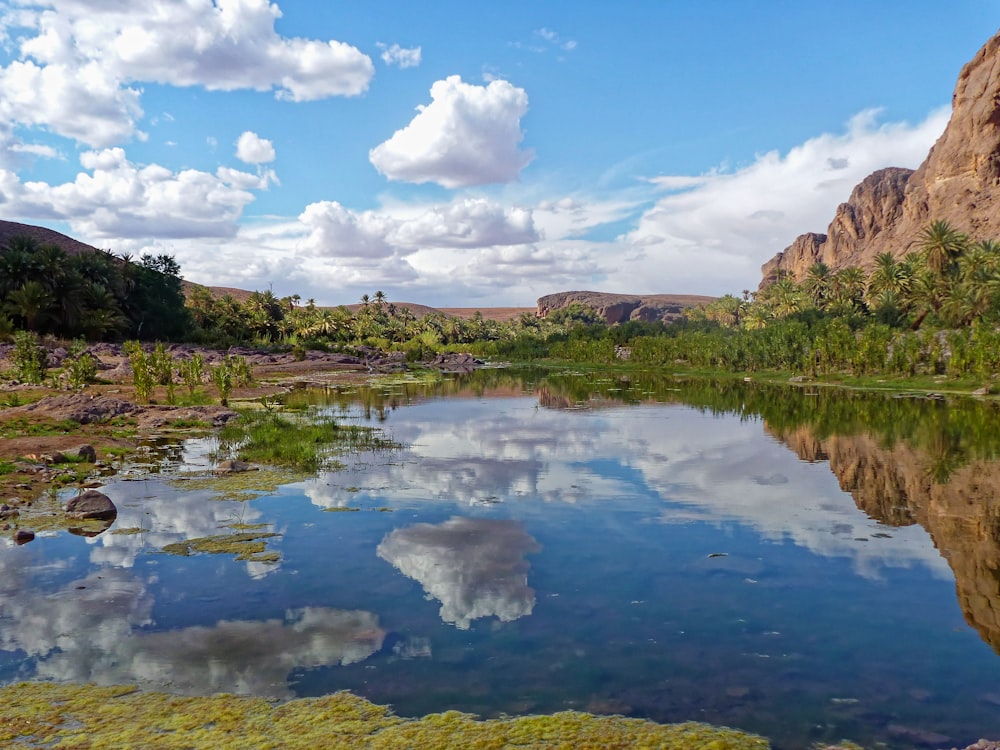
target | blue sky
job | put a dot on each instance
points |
(465, 154)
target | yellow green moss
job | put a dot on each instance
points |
(246, 546)
(34, 715)
(242, 485)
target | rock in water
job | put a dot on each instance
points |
(23, 536)
(91, 504)
(234, 466)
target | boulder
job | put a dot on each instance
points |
(234, 466)
(23, 536)
(91, 504)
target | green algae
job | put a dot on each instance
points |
(241, 486)
(131, 530)
(341, 510)
(36, 715)
(246, 546)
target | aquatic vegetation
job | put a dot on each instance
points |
(34, 715)
(131, 530)
(306, 443)
(246, 546)
(240, 486)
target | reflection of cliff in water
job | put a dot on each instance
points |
(897, 486)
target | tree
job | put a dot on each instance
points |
(941, 245)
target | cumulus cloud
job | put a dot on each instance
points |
(116, 198)
(79, 59)
(467, 135)
(474, 567)
(401, 56)
(712, 232)
(252, 149)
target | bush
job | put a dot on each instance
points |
(30, 360)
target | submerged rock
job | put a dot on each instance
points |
(234, 466)
(91, 504)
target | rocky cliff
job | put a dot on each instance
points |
(620, 308)
(962, 516)
(958, 182)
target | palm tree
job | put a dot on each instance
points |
(942, 245)
(32, 303)
(889, 276)
(817, 283)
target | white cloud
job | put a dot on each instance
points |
(474, 567)
(471, 222)
(119, 199)
(36, 149)
(401, 56)
(337, 232)
(78, 60)
(713, 232)
(252, 149)
(467, 135)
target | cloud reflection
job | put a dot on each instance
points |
(474, 567)
(93, 630)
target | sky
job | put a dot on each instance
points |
(461, 154)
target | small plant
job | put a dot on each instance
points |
(81, 371)
(222, 376)
(142, 371)
(30, 360)
(193, 372)
(162, 365)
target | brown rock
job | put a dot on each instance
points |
(91, 504)
(959, 182)
(619, 308)
(23, 536)
(234, 466)
(87, 453)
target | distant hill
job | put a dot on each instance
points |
(620, 308)
(11, 229)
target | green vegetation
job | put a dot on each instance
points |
(93, 294)
(248, 546)
(305, 443)
(29, 359)
(44, 714)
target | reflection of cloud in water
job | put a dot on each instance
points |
(708, 467)
(170, 516)
(91, 631)
(474, 567)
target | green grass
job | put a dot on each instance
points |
(11, 428)
(6, 467)
(306, 443)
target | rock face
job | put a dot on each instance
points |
(91, 505)
(620, 308)
(894, 487)
(959, 182)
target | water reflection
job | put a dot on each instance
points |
(474, 567)
(97, 629)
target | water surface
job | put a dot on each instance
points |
(808, 565)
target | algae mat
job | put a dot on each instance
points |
(35, 715)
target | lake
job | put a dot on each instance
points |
(804, 563)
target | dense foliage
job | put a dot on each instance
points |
(92, 294)
(934, 312)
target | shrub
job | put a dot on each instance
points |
(30, 360)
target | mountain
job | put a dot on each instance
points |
(619, 308)
(959, 182)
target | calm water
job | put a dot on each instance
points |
(806, 565)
